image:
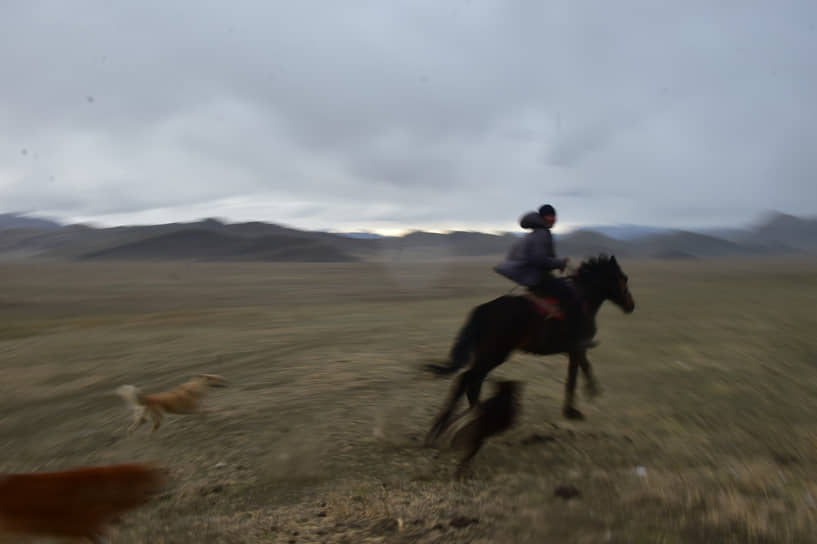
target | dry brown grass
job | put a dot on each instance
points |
(710, 386)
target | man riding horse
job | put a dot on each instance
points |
(497, 328)
(531, 262)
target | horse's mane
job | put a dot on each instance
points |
(588, 270)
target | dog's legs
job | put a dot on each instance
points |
(156, 415)
(138, 418)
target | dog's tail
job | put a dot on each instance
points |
(130, 394)
(460, 354)
(214, 380)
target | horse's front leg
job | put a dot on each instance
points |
(591, 385)
(569, 410)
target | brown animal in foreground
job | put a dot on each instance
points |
(184, 399)
(76, 503)
(488, 418)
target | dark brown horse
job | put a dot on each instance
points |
(496, 328)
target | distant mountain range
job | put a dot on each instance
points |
(19, 221)
(23, 237)
(626, 232)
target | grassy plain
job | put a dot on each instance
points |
(706, 431)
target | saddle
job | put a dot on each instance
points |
(548, 307)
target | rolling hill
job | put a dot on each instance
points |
(213, 240)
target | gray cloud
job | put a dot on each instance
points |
(408, 114)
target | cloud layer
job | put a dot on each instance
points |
(392, 115)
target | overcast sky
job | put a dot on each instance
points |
(391, 115)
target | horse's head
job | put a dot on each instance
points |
(609, 280)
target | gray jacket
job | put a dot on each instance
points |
(531, 256)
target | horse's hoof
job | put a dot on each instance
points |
(572, 413)
(462, 473)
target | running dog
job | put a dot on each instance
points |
(184, 399)
(490, 417)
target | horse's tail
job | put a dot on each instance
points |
(460, 354)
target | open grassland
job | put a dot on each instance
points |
(706, 431)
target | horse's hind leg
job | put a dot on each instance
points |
(482, 366)
(459, 389)
(474, 387)
(470, 383)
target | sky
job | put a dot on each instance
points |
(399, 115)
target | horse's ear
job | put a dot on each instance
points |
(613, 259)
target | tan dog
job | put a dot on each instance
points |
(184, 399)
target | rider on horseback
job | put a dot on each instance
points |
(530, 262)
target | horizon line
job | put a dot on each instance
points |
(560, 228)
